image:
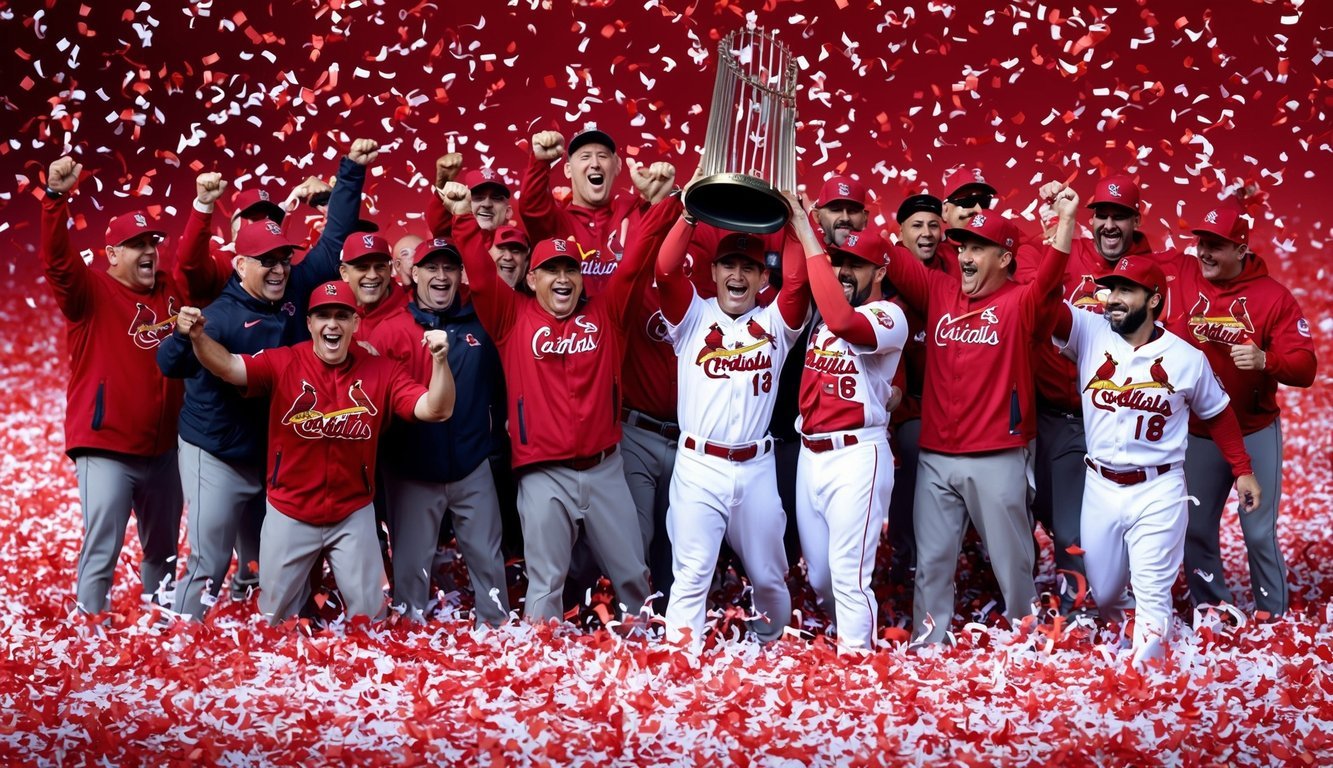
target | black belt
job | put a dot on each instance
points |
(668, 429)
(827, 443)
(578, 463)
(1129, 476)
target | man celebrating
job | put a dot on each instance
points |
(845, 475)
(968, 196)
(434, 469)
(1139, 382)
(366, 268)
(1255, 337)
(729, 350)
(842, 209)
(561, 355)
(511, 248)
(329, 404)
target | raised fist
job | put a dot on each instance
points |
(457, 198)
(364, 151)
(63, 175)
(190, 322)
(1066, 203)
(309, 188)
(437, 342)
(548, 145)
(655, 181)
(208, 187)
(447, 168)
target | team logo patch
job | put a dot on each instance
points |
(146, 331)
(1233, 328)
(656, 327)
(844, 189)
(1134, 395)
(263, 195)
(1303, 327)
(289, 308)
(719, 362)
(330, 289)
(882, 317)
(272, 227)
(471, 340)
(979, 220)
(368, 241)
(852, 240)
(355, 422)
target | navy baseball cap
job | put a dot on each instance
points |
(919, 204)
(591, 136)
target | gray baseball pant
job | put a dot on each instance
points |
(1209, 479)
(650, 460)
(551, 501)
(416, 509)
(289, 548)
(991, 489)
(1060, 472)
(110, 485)
(225, 507)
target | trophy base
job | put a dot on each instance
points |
(737, 202)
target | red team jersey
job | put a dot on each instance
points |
(393, 304)
(1250, 308)
(912, 368)
(325, 423)
(845, 386)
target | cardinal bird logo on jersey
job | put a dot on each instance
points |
(146, 331)
(1134, 395)
(1104, 372)
(1159, 375)
(353, 423)
(1088, 295)
(1235, 327)
(719, 362)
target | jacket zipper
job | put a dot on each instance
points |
(522, 426)
(98, 404)
(277, 462)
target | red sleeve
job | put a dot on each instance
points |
(438, 217)
(261, 369)
(1060, 321)
(493, 298)
(833, 307)
(70, 279)
(197, 271)
(910, 277)
(404, 392)
(631, 277)
(1224, 430)
(536, 204)
(793, 298)
(1295, 368)
(673, 286)
(1041, 296)
(1290, 356)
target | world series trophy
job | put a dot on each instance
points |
(750, 147)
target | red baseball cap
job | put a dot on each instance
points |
(866, 246)
(252, 201)
(991, 227)
(1227, 222)
(512, 235)
(427, 248)
(1116, 190)
(550, 249)
(363, 245)
(963, 179)
(256, 238)
(128, 226)
(741, 244)
(1139, 270)
(842, 188)
(485, 177)
(334, 293)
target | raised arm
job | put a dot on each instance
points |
(793, 297)
(536, 206)
(636, 266)
(70, 279)
(210, 354)
(438, 217)
(838, 315)
(202, 276)
(437, 404)
(494, 299)
(321, 264)
(1065, 202)
(673, 286)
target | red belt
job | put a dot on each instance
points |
(1128, 477)
(744, 453)
(827, 443)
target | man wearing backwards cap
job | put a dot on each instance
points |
(600, 221)
(1255, 337)
(1140, 386)
(329, 404)
(120, 412)
(977, 410)
(561, 355)
(365, 266)
(434, 469)
(223, 435)
(845, 475)
(729, 350)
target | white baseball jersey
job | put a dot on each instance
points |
(728, 369)
(1136, 401)
(845, 387)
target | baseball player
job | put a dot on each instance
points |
(1140, 384)
(510, 249)
(845, 475)
(968, 196)
(842, 209)
(490, 202)
(599, 220)
(977, 412)
(561, 354)
(120, 412)
(329, 404)
(1255, 337)
(433, 469)
(223, 435)
(366, 267)
(729, 351)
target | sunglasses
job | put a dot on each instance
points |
(269, 262)
(973, 201)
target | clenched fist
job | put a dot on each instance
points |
(655, 181)
(457, 198)
(208, 187)
(190, 322)
(63, 175)
(548, 145)
(364, 151)
(447, 168)
(437, 342)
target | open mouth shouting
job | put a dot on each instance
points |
(1111, 242)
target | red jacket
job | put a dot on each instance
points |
(324, 426)
(393, 304)
(979, 391)
(116, 399)
(912, 365)
(1250, 308)
(562, 377)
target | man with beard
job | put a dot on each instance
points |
(329, 404)
(977, 410)
(842, 209)
(1140, 385)
(223, 435)
(434, 469)
(845, 475)
(598, 219)
(366, 268)
(1255, 337)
